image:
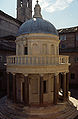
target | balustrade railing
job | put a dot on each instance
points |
(37, 60)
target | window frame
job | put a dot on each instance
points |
(63, 37)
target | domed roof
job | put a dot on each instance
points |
(37, 25)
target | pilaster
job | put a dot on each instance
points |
(41, 88)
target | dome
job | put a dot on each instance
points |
(37, 25)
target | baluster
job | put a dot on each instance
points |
(12, 60)
(9, 60)
(40, 61)
(37, 60)
(32, 61)
(26, 60)
(67, 59)
(54, 60)
(29, 60)
(44, 60)
(59, 60)
(18, 60)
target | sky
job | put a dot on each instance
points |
(61, 13)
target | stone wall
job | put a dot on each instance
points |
(8, 25)
(73, 69)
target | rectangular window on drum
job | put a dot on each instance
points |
(45, 86)
(25, 51)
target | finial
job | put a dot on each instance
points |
(37, 11)
(37, 1)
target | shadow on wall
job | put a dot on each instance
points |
(3, 83)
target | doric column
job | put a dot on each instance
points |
(67, 85)
(56, 87)
(64, 86)
(8, 90)
(26, 90)
(14, 87)
(41, 88)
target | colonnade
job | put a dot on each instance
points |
(25, 88)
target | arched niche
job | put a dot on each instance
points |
(44, 49)
(52, 49)
(35, 49)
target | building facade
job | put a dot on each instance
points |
(69, 46)
(24, 10)
(8, 30)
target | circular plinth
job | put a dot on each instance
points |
(9, 110)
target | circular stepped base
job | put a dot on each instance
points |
(9, 110)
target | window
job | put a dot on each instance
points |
(27, 4)
(63, 37)
(21, 3)
(25, 51)
(62, 46)
(45, 86)
(77, 36)
(76, 59)
(72, 76)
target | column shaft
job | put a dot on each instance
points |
(67, 85)
(64, 86)
(41, 90)
(14, 88)
(56, 88)
(26, 100)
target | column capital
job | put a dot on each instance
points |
(41, 75)
(8, 72)
(13, 73)
(56, 74)
(25, 75)
(64, 73)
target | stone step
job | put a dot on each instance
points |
(73, 115)
(67, 114)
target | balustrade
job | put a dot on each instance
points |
(37, 60)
